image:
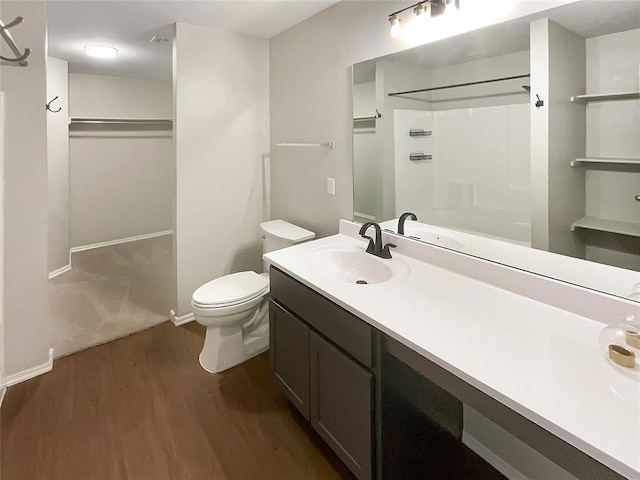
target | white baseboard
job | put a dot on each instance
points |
(365, 216)
(30, 372)
(492, 459)
(3, 391)
(181, 319)
(118, 241)
(60, 271)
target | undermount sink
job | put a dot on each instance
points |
(355, 266)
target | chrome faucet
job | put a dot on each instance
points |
(375, 247)
(402, 219)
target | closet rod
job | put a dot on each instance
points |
(372, 117)
(121, 121)
(460, 85)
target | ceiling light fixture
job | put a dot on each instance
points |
(423, 9)
(101, 51)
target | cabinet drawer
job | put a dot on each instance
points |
(342, 328)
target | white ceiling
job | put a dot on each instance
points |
(129, 25)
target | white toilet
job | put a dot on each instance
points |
(234, 308)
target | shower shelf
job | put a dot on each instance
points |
(606, 97)
(607, 160)
(605, 225)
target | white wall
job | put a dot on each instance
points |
(121, 183)
(221, 84)
(25, 182)
(58, 163)
(558, 136)
(311, 98)
(118, 97)
(2, 348)
(364, 99)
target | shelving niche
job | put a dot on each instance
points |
(611, 164)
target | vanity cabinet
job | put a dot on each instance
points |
(321, 355)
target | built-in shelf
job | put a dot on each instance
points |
(609, 160)
(604, 225)
(606, 97)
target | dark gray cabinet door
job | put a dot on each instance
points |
(341, 404)
(289, 355)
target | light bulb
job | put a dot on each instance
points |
(450, 8)
(423, 14)
(101, 51)
(396, 30)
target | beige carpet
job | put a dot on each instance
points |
(111, 292)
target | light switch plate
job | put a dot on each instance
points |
(331, 186)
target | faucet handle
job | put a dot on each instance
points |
(385, 250)
(372, 246)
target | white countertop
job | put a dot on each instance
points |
(543, 362)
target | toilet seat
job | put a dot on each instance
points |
(233, 290)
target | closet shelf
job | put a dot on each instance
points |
(609, 160)
(605, 97)
(604, 225)
(120, 121)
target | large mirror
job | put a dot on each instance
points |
(518, 143)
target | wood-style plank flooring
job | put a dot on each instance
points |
(142, 408)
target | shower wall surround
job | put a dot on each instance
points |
(478, 178)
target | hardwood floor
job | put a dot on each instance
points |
(142, 408)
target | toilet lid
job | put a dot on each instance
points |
(231, 289)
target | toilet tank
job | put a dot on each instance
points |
(280, 234)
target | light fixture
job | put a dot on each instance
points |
(396, 29)
(101, 51)
(422, 10)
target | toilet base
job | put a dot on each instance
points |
(226, 347)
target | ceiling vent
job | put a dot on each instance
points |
(159, 39)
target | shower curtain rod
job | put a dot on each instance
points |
(460, 85)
